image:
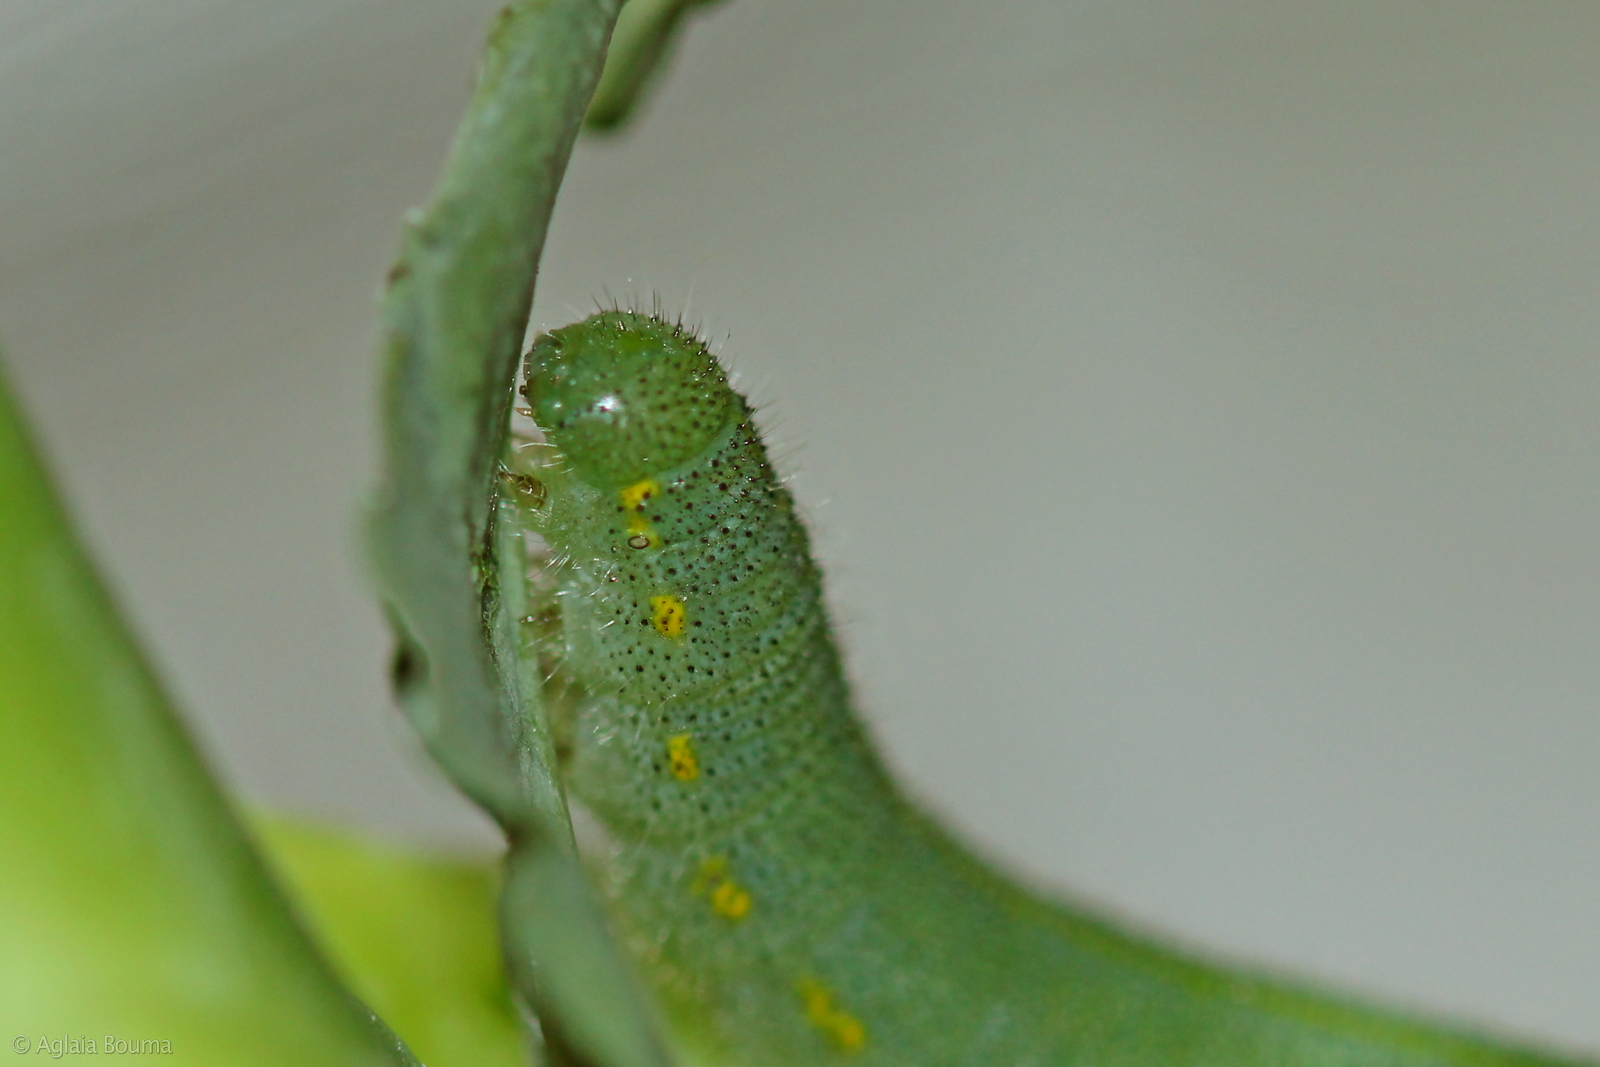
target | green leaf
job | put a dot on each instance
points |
(413, 935)
(131, 903)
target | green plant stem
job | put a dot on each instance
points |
(646, 34)
(454, 317)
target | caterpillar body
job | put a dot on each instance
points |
(783, 902)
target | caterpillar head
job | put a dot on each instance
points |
(625, 396)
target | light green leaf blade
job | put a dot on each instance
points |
(413, 935)
(131, 903)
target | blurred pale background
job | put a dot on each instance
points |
(1198, 407)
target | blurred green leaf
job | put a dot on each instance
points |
(413, 935)
(131, 903)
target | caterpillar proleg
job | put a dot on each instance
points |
(783, 903)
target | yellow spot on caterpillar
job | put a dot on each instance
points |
(731, 900)
(668, 614)
(844, 1029)
(681, 759)
(634, 498)
(728, 898)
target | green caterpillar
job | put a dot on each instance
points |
(782, 902)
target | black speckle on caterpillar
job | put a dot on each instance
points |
(783, 902)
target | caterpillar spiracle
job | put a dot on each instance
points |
(782, 901)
